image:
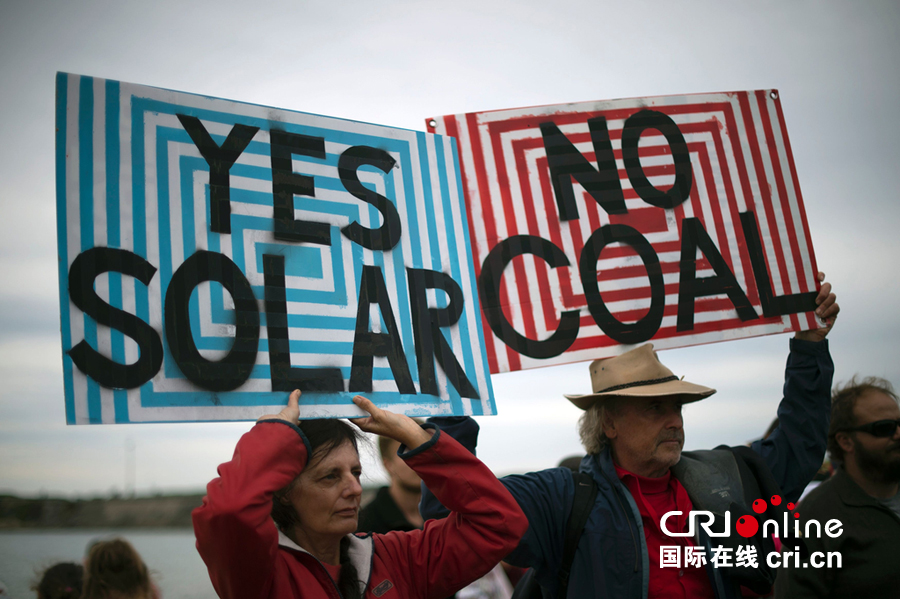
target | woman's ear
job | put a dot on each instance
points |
(283, 496)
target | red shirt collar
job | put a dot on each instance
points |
(647, 484)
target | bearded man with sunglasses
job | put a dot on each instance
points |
(864, 495)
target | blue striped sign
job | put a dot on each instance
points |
(215, 254)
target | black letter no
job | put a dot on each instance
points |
(684, 176)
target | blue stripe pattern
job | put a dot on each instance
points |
(86, 199)
(62, 102)
(113, 216)
(321, 290)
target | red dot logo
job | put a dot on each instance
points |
(776, 499)
(759, 506)
(791, 506)
(746, 526)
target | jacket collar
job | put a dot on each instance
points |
(850, 492)
(601, 467)
(360, 554)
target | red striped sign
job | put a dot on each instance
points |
(601, 225)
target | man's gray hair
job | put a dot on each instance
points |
(590, 425)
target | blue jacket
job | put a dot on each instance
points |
(611, 560)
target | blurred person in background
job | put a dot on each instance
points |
(113, 569)
(863, 494)
(60, 581)
(396, 506)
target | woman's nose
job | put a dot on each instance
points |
(353, 487)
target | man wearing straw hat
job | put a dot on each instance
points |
(633, 432)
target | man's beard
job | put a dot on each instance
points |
(879, 466)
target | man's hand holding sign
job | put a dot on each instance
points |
(826, 308)
(686, 227)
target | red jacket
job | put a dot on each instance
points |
(247, 557)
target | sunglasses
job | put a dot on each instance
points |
(879, 428)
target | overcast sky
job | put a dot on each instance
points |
(396, 63)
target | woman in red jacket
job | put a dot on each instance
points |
(305, 477)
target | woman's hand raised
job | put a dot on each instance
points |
(381, 422)
(388, 424)
(290, 413)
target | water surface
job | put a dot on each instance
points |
(169, 553)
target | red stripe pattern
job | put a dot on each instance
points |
(741, 161)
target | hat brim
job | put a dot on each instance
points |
(687, 392)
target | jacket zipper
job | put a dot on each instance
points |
(634, 542)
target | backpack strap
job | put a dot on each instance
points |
(582, 504)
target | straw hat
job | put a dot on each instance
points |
(637, 373)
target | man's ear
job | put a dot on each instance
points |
(843, 439)
(609, 424)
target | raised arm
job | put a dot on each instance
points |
(795, 450)
(545, 497)
(464, 431)
(485, 522)
(236, 536)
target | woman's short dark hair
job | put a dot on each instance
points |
(843, 401)
(324, 436)
(60, 581)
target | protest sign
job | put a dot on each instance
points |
(601, 225)
(215, 255)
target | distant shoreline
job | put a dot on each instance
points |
(164, 511)
(158, 511)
